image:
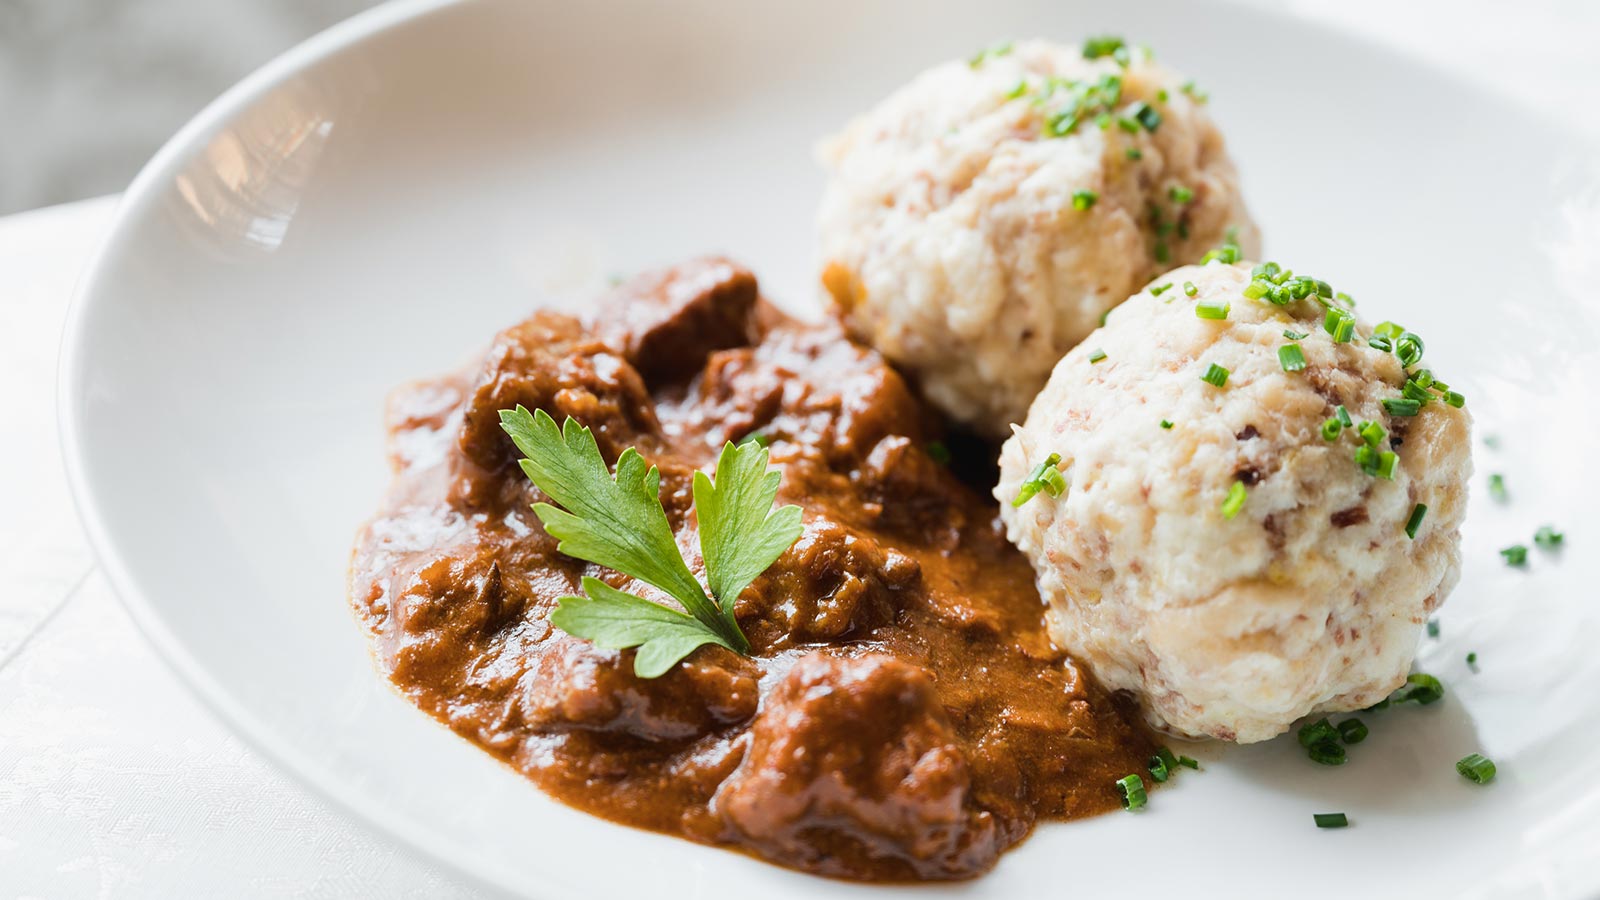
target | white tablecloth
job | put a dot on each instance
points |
(114, 782)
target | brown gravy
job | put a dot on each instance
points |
(904, 715)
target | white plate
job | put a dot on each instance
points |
(373, 206)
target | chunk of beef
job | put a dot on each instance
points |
(830, 585)
(576, 686)
(854, 770)
(812, 387)
(550, 362)
(667, 322)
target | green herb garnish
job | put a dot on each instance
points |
(1291, 358)
(1476, 768)
(1515, 555)
(1096, 356)
(1133, 793)
(1420, 688)
(1215, 375)
(1414, 522)
(1330, 820)
(1083, 200)
(1213, 309)
(1234, 502)
(1044, 477)
(994, 52)
(1548, 538)
(618, 522)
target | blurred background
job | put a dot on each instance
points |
(90, 88)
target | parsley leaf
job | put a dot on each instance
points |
(740, 533)
(618, 522)
(616, 620)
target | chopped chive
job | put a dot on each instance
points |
(1420, 688)
(1096, 356)
(1327, 753)
(1388, 461)
(1255, 290)
(1180, 194)
(1352, 731)
(1372, 433)
(1291, 358)
(1344, 329)
(1134, 153)
(1194, 93)
(1331, 430)
(1212, 309)
(1133, 793)
(1295, 335)
(1455, 399)
(1389, 330)
(1330, 820)
(1367, 459)
(1160, 769)
(1548, 538)
(1215, 375)
(1344, 298)
(1188, 762)
(1162, 252)
(1476, 768)
(1019, 90)
(1166, 425)
(1103, 45)
(1497, 487)
(1317, 732)
(1158, 290)
(1472, 661)
(1234, 502)
(1082, 200)
(1401, 406)
(1515, 555)
(1344, 415)
(1415, 520)
(1379, 342)
(988, 53)
(1228, 253)
(1145, 114)
(1161, 95)
(1433, 628)
(1189, 288)
(1044, 477)
(1408, 347)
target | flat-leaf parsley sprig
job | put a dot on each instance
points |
(618, 522)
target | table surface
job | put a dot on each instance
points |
(115, 782)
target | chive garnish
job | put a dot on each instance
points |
(1515, 555)
(1234, 502)
(1344, 415)
(1096, 356)
(1215, 375)
(1497, 487)
(1044, 477)
(1082, 200)
(1401, 406)
(1189, 288)
(1180, 194)
(1291, 358)
(1352, 731)
(1548, 538)
(1159, 289)
(1134, 153)
(1166, 425)
(1415, 520)
(1331, 430)
(1212, 309)
(1420, 688)
(1433, 628)
(1133, 793)
(1330, 820)
(1476, 768)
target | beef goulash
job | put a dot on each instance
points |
(902, 714)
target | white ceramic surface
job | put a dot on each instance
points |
(372, 206)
